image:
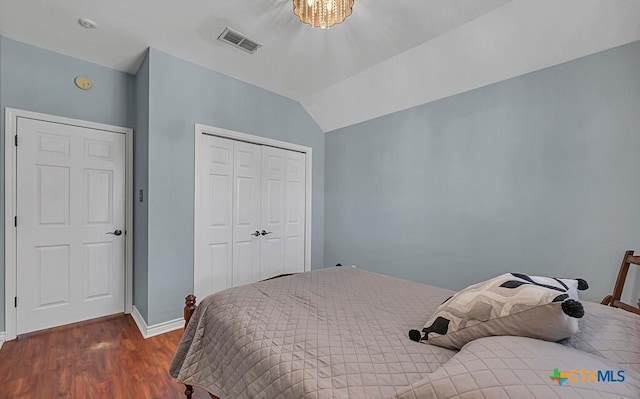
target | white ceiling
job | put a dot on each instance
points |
(341, 75)
(521, 37)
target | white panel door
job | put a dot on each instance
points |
(272, 215)
(213, 266)
(295, 200)
(70, 201)
(246, 212)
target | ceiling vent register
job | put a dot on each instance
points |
(238, 40)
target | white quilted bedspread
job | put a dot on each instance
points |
(342, 333)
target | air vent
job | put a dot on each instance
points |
(238, 40)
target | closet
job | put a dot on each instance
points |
(249, 213)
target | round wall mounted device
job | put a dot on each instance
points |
(87, 23)
(83, 82)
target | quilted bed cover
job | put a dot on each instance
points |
(341, 332)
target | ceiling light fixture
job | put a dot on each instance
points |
(322, 13)
(87, 23)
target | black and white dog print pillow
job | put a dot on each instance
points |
(510, 304)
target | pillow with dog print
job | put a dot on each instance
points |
(510, 304)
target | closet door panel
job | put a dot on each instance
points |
(246, 212)
(295, 200)
(273, 202)
(213, 223)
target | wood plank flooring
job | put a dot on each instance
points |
(102, 359)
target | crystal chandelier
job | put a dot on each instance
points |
(322, 13)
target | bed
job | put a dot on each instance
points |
(341, 332)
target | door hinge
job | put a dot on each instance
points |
(15, 301)
(16, 141)
(15, 221)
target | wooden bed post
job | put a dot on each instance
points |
(188, 391)
(189, 308)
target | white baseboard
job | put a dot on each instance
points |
(3, 336)
(156, 329)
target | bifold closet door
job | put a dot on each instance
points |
(283, 212)
(273, 212)
(250, 220)
(295, 217)
(247, 201)
(213, 269)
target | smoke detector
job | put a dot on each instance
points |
(238, 40)
(87, 23)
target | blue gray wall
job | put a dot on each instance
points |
(538, 174)
(39, 80)
(141, 182)
(182, 94)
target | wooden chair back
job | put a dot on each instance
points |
(614, 299)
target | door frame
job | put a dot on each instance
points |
(201, 129)
(10, 199)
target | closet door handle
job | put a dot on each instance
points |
(264, 233)
(256, 233)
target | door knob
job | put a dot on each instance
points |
(115, 232)
(256, 233)
(264, 233)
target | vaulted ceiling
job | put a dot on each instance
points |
(387, 56)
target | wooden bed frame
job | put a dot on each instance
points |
(614, 299)
(189, 308)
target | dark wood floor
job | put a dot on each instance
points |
(102, 359)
